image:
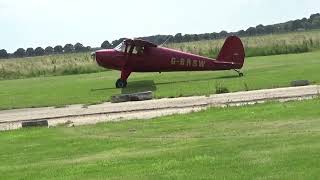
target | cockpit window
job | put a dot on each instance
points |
(136, 49)
(121, 47)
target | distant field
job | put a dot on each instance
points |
(53, 65)
(260, 73)
(295, 42)
(81, 63)
(266, 141)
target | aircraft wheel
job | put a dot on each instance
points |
(121, 83)
(241, 74)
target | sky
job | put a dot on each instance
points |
(34, 23)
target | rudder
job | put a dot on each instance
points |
(232, 51)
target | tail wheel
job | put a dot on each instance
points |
(238, 71)
(121, 83)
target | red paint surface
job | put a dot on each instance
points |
(159, 59)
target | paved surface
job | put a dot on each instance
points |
(78, 114)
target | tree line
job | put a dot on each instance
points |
(39, 51)
(313, 22)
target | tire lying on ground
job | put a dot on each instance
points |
(141, 96)
(300, 83)
(37, 123)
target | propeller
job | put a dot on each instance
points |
(93, 56)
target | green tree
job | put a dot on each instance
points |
(296, 24)
(30, 52)
(251, 31)
(213, 35)
(305, 23)
(223, 34)
(3, 53)
(314, 16)
(106, 45)
(268, 29)
(39, 51)
(19, 52)
(68, 48)
(78, 47)
(260, 29)
(241, 33)
(315, 23)
(58, 49)
(177, 38)
(48, 50)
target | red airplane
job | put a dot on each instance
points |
(143, 56)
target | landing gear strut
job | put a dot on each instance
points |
(122, 82)
(239, 72)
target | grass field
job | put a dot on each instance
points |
(273, 44)
(266, 141)
(50, 65)
(260, 73)
(80, 63)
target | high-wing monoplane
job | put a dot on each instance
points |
(142, 56)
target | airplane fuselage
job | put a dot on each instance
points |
(142, 56)
(159, 59)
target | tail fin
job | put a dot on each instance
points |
(232, 51)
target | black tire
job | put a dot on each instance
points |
(240, 74)
(121, 83)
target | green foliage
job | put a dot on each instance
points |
(78, 47)
(265, 141)
(39, 51)
(220, 89)
(58, 49)
(48, 50)
(106, 45)
(30, 52)
(68, 48)
(3, 54)
(88, 48)
(20, 52)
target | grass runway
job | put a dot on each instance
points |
(260, 73)
(265, 141)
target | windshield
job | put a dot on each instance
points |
(121, 47)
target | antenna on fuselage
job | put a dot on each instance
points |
(165, 41)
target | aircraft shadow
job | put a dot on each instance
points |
(149, 85)
(103, 89)
(134, 87)
(139, 86)
(203, 79)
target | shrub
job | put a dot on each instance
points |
(221, 89)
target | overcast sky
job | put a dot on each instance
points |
(33, 23)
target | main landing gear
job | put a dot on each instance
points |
(122, 82)
(239, 72)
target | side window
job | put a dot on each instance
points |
(138, 50)
(128, 47)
